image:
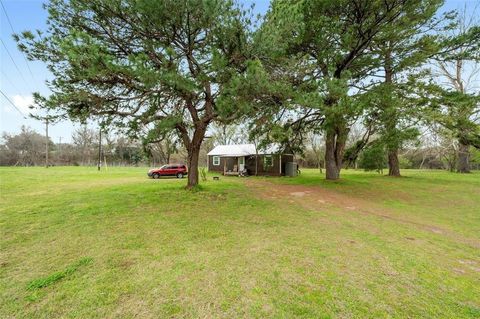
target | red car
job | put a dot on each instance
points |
(178, 170)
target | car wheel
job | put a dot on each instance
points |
(179, 175)
(156, 176)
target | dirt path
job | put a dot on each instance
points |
(315, 197)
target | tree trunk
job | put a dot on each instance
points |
(331, 169)
(335, 140)
(391, 121)
(193, 149)
(463, 164)
(393, 163)
(193, 155)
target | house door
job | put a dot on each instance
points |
(241, 163)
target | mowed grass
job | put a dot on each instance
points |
(77, 243)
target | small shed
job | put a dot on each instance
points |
(232, 159)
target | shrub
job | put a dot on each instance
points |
(203, 173)
(404, 162)
(373, 158)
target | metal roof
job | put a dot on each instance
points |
(241, 150)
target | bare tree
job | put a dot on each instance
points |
(316, 143)
(84, 139)
(161, 150)
(224, 134)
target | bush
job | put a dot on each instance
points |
(404, 162)
(475, 158)
(373, 158)
(203, 173)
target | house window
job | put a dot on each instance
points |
(267, 161)
(216, 160)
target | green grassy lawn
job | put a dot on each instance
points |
(77, 243)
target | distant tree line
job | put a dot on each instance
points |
(433, 150)
(28, 148)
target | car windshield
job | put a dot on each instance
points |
(163, 166)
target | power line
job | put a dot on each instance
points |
(4, 10)
(4, 76)
(16, 108)
(13, 31)
(13, 61)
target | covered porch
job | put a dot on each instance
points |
(233, 165)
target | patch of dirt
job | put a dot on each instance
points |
(458, 270)
(298, 194)
(471, 264)
(132, 306)
(315, 197)
(126, 263)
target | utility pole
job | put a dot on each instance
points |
(99, 149)
(48, 120)
(46, 142)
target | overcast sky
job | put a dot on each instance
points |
(18, 78)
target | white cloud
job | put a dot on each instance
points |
(23, 103)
